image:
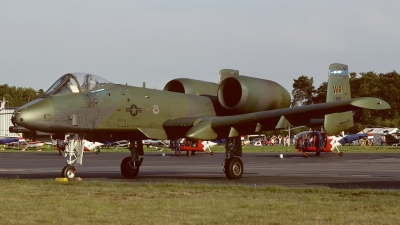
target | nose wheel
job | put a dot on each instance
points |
(68, 172)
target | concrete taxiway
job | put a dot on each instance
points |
(353, 170)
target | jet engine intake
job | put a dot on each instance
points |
(191, 86)
(248, 94)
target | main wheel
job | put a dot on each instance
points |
(127, 168)
(68, 172)
(233, 168)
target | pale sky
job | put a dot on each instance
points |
(156, 41)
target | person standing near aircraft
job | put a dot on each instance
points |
(383, 139)
(177, 148)
(287, 140)
(319, 140)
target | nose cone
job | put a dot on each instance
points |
(34, 114)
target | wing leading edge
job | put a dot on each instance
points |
(211, 128)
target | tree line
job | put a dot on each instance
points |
(385, 86)
(18, 96)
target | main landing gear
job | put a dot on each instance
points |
(233, 166)
(130, 165)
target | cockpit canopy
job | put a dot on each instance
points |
(75, 83)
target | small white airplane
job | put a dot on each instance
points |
(120, 144)
(31, 144)
(158, 144)
(92, 146)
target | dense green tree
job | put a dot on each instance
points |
(303, 91)
(320, 93)
(17, 96)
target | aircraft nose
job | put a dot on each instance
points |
(33, 114)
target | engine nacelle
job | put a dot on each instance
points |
(191, 86)
(248, 94)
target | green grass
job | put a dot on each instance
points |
(50, 202)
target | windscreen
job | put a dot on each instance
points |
(75, 83)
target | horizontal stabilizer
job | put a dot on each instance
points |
(370, 103)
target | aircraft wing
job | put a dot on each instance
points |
(212, 128)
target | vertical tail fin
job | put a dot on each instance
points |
(338, 90)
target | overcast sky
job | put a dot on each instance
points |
(156, 41)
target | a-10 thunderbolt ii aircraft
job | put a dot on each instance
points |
(97, 110)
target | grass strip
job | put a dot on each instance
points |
(49, 202)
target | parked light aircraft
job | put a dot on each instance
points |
(158, 144)
(92, 108)
(391, 139)
(118, 144)
(88, 146)
(24, 144)
(5, 140)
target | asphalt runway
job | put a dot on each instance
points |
(353, 170)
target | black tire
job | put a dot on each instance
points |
(233, 168)
(341, 153)
(69, 172)
(127, 169)
(318, 153)
(61, 152)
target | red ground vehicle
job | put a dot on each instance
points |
(306, 142)
(195, 146)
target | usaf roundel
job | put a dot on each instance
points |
(134, 110)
